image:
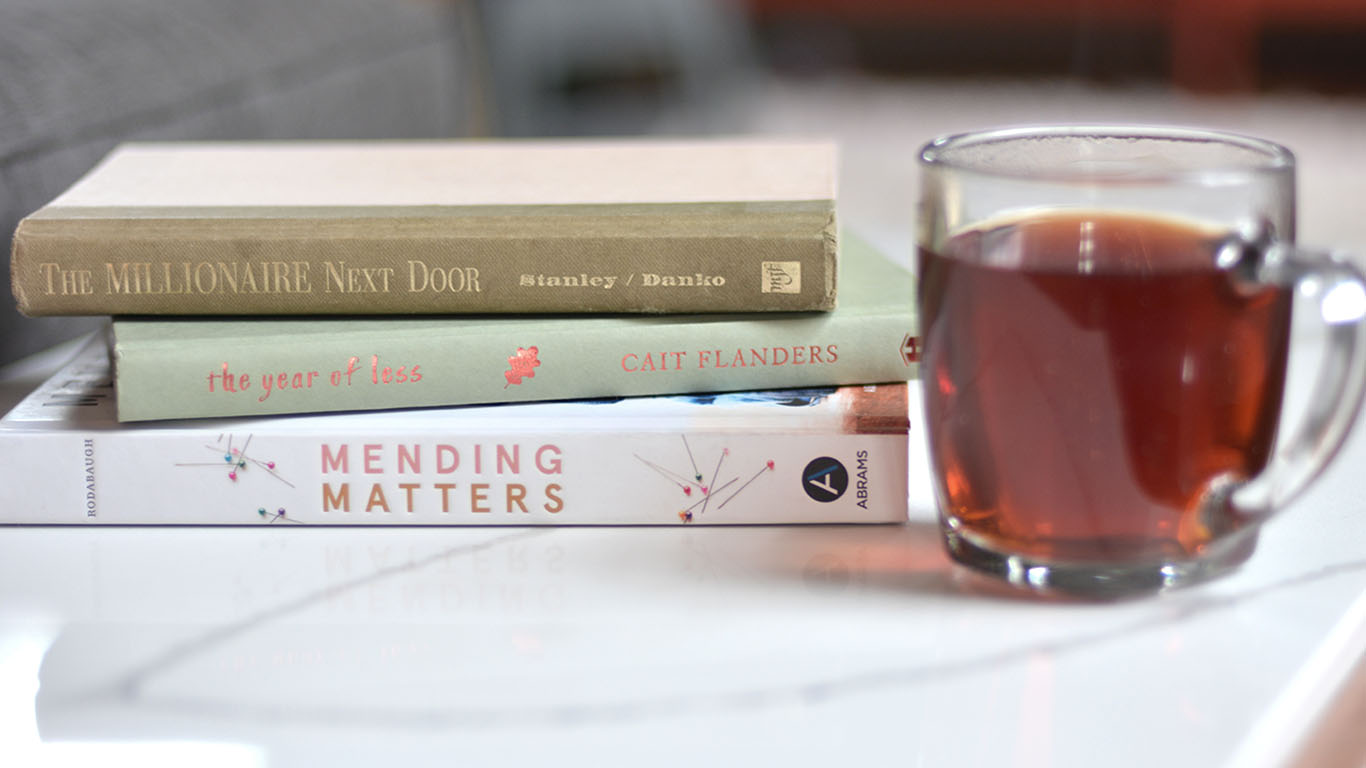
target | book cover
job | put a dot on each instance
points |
(191, 368)
(423, 227)
(790, 456)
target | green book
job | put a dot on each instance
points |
(199, 367)
(581, 226)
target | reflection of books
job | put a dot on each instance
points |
(640, 225)
(795, 456)
(186, 368)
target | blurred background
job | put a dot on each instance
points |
(882, 76)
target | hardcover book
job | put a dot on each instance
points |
(636, 225)
(198, 367)
(792, 456)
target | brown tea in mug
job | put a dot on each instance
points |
(1102, 374)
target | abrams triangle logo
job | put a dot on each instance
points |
(825, 479)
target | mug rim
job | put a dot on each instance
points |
(1272, 157)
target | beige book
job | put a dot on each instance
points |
(639, 225)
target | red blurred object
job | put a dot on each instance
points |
(1212, 44)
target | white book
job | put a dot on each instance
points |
(181, 178)
(832, 455)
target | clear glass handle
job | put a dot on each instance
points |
(1338, 289)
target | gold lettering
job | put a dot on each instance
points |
(67, 282)
(377, 499)
(445, 489)
(205, 278)
(301, 284)
(117, 280)
(332, 276)
(228, 274)
(340, 500)
(249, 281)
(282, 284)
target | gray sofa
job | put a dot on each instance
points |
(79, 76)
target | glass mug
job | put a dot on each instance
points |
(1105, 319)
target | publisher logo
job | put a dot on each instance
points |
(781, 276)
(910, 349)
(825, 479)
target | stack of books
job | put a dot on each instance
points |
(447, 332)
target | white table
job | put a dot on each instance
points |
(829, 645)
(689, 646)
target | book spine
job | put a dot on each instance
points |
(324, 370)
(403, 478)
(589, 259)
